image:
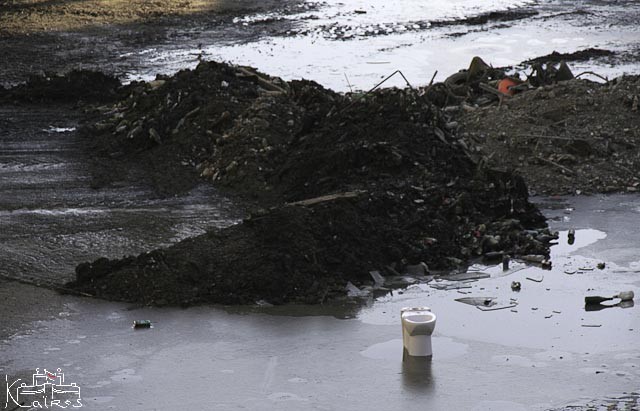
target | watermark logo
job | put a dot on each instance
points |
(47, 390)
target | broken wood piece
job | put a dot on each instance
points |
(433, 78)
(477, 301)
(553, 163)
(501, 307)
(261, 80)
(467, 276)
(593, 74)
(492, 90)
(325, 198)
(553, 137)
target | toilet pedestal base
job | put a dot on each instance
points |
(418, 346)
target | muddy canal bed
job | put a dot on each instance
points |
(346, 356)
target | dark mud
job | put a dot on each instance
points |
(341, 186)
(74, 88)
(580, 55)
(40, 37)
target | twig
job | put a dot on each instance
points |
(502, 307)
(263, 81)
(568, 170)
(432, 78)
(593, 74)
(375, 87)
(552, 137)
(348, 83)
(620, 166)
(323, 199)
(392, 270)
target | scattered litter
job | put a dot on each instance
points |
(585, 268)
(263, 303)
(53, 129)
(505, 262)
(493, 255)
(557, 312)
(468, 276)
(534, 308)
(548, 316)
(592, 325)
(515, 285)
(623, 296)
(142, 324)
(478, 301)
(418, 269)
(495, 308)
(353, 291)
(570, 272)
(601, 266)
(448, 286)
(533, 258)
(377, 277)
(536, 278)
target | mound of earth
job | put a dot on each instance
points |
(570, 137)
(580, 55)
(341, 185)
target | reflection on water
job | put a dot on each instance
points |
(599, 307)
(417, 374)
(583, 238)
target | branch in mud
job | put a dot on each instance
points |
(324, 199)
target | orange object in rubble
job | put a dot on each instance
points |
(504, 84)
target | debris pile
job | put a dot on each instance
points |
(563, 134)
(574, 136)
(340, 186)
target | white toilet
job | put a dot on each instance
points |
(417, 326)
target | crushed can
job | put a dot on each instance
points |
(137, 324)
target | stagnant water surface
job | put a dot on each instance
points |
(545, 352)
(52, 219)
(354, 44)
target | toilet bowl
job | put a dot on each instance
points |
(417, 326)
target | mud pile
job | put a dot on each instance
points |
(570, 137)
(340, 185)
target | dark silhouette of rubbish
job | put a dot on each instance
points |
(623, 296)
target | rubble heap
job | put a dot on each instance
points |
(340, 185)
(574, 136)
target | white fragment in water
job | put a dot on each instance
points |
(53, 129)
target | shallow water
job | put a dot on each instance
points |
(52, 219)
(544, 353)
(391, 37)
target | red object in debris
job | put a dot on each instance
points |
(504, 84)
